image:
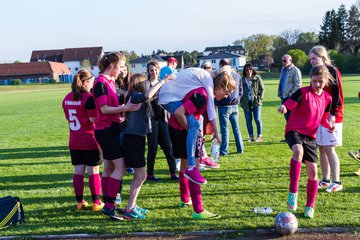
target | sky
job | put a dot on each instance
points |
(146, 25)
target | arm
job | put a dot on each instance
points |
(153, 90)
(297, 82)
(180, 116)
(215, 129)
(336, 94)
(129, 107)
(90, 109)
(261, 87)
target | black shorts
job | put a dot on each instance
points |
(178, 141)
(109, 141)
(134, 151)
(308, 143)
(86, 157)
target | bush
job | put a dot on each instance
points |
(52, 81)
(15, 82)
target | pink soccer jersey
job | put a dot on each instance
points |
(308, 110)
(81, 129)
(104, 93)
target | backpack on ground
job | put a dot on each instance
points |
(11, 211)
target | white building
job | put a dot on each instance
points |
(236, 61)
(138, 65)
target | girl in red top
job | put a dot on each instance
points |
(79, 109)
(107, 128)
(309, 107)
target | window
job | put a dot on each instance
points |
(92, 68)
(132, 65)
(143, 65)
(76, 68)
(213, 61)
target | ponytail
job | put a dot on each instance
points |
(77, 85)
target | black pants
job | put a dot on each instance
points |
(159, 136)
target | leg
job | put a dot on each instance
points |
(94, 183)
(152, 147)
(324, 162)
(234, 120)
(257, 118)
(135, 186)
(114, 182)
(334, 162)
(312, 185)
(165, 143)
(193, 128)
(78, 183)
(224, 130)
(248, 119)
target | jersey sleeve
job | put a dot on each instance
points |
(100, 94)
(335, 89)
(294, 100)
(90, 107)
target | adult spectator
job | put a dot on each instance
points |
(169, 69)
(228, 110)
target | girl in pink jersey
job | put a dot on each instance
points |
(79, 109)
(107, 128)
(310, 107)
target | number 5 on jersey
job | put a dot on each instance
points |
(74, 123)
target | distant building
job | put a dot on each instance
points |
(34, 72)
(238, 49)
(74, 58)
(236, 61)
(138, 65)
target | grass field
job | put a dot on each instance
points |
(35, 166)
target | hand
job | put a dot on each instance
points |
(131, 107)
(282, 109)
(170, 77)
(331, 119)
(216, 136)
(331, 128)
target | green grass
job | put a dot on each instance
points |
(35, 166)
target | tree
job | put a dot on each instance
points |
(341, 19)
(256, 44)
(17, 61)
(307, 37)
(298, 56)
(85, 64)
(132, 56)
(353, 28)
(278, 41)
(291, 36)
(325, 30)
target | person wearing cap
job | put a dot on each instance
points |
(169, 69)
(228, 110)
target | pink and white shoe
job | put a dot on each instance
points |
(195, 176)
(206, 162)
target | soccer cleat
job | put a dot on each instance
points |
(195, 176)
(112, 213)
(355, 155)
(141, 210)
(334, 187)
(81, 205)
(259, 139)
(251, 139)
(134, 214)
(324, 183)
(309, 212)
(184, 204)
(206, 162)
(174, 177)
(97, 207)
(153, 178)
(118, 199)
(204, 215)
(292, 202)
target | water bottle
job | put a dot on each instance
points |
(262, 210)
(215, 147)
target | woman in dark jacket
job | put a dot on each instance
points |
(251, 101)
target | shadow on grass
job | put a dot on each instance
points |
(26, 153)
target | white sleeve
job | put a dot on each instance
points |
(210, 106)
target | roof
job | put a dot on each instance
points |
(219, 55)
(33, 68)
(224, 48)
(147, 59)
(79, 54)
(55, 55)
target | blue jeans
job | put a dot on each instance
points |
(192, 131)
(256, 112)
(226, 113)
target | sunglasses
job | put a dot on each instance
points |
(206, 67)
(284, 60)
(248, 69)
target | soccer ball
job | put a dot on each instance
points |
(286, 223)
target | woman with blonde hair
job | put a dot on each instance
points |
(326, 140)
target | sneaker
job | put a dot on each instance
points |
(324, 183)
(309, 212)
(134, 214)
(184, 204)
(119, 210)
(97, 207)
(177, 162)
(283, 141)
(292, 202)
(204, 215)
(206, 162)
(259, 139)
(201, 168)
(130, 170)
(153, 178)
(334, 187)
(195, 176)
(251, 139)
(141, 210)
(174, 177)
(81, 205)
(355, 155)
(357, 172)
(118, 199)
(114, 215)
